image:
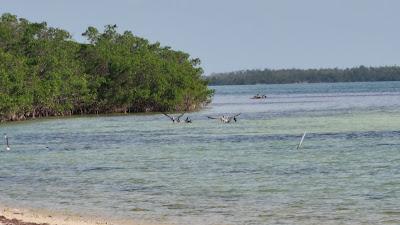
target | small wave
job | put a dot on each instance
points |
(100, 168)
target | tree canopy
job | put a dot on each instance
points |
(44, 72)
(283, 76)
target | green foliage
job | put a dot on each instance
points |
(358, 74)
(14, 97)
(45, 73)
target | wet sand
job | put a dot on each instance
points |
(5, 221)
(17, 216)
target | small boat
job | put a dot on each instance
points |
(258, 96)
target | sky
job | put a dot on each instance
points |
(230, 35)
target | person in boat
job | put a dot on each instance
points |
(258, 96)
(188, 120)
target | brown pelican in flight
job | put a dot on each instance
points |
(174, 119)
(188, 120)
(6, 140)
(225, 119)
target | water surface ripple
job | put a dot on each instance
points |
(145, 167)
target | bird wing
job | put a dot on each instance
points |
(181, 115)
(168, 116)
(230, 119)
(236, 115)
(211, 117)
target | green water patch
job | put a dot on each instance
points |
(358, 122)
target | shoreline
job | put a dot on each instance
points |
(24, 216)
(50, 117)
(42, 118)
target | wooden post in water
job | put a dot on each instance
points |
(301, 141)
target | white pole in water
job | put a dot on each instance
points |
(301, 141)
(7, 145)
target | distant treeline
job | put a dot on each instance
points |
(284, 76)
(44, 72)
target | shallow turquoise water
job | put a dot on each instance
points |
(249, 172)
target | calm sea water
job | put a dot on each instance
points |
(249, 172)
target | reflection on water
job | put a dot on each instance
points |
(249, 172)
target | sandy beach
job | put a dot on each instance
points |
(17, 216)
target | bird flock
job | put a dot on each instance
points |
(223, 118)
(177, 119)
(174, 119)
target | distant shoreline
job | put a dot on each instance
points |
(289, 76)
(339, 82)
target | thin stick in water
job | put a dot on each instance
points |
(7, 145)
(301, 141)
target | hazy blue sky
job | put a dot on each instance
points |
(232, 35)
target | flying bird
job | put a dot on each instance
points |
(174, 119)
(188, 120)
(225, 119)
